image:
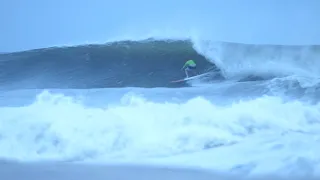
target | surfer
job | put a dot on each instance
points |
(190, 66)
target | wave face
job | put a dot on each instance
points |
(153, 63)
(117, 64)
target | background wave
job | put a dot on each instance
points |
(116, 64)
(153, 63)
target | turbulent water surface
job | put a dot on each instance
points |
(86, 90)
(256, 111)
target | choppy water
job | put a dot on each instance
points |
(258, 106)
(256, 111)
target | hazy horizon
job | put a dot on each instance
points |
(42, 24)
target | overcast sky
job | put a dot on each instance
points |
(38, 23)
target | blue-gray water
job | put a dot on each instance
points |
(120, 64)
(256, 112)
(67, 171)
(106, 109)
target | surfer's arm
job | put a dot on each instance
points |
(184, 65)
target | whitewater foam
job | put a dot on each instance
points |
(61, 128)
(240, 60)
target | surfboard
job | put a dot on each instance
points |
(189, 78)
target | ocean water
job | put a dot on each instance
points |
(256, 111)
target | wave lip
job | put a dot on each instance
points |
(237, 60)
